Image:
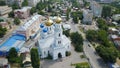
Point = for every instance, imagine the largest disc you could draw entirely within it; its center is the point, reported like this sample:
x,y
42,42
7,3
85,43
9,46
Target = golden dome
x,y
58,20
49,22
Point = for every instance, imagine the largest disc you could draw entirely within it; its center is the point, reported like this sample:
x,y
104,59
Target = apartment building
x,y
4,10
22,13
96,9
31,27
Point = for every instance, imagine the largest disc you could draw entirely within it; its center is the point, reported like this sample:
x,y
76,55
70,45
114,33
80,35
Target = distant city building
x,y
113,31
96,9
33,3
116,17
10,2
105,1
116,40
4,10
87,16
30,28
52,41
22,13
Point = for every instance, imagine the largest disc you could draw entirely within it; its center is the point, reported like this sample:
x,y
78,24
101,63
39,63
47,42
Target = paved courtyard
x,y
65,62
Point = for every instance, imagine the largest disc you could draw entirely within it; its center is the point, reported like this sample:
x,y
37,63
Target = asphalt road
x,y
94,59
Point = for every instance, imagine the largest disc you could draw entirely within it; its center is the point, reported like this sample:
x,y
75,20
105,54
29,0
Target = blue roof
x,y
10,42
45,29
19,37
41,25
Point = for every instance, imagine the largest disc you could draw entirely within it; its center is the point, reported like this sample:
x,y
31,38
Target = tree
x,y
107,11
86,4
41,13
49,8
2,3
13,56
25,3
40,6
21,59
76,16
116,7
109,54
79,48
66,32
91,35
78,66
54,13
15,6
33,10
102,24
116,11
78,41
67,13
35,58
75,3
76,38
2,31
103,39
17,21
11,14
80,15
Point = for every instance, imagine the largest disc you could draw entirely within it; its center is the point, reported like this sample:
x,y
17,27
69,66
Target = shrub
x,y
68,53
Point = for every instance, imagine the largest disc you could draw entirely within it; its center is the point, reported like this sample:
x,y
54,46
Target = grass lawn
x,y
82,65
15,65
80,28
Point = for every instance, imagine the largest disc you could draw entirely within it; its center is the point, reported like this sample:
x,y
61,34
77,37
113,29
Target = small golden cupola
x,y
49,22
58,20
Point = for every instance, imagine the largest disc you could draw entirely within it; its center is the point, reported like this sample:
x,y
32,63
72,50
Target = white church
x,y
52,41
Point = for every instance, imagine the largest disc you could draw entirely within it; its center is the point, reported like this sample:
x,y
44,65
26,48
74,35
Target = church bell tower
x,y
58,32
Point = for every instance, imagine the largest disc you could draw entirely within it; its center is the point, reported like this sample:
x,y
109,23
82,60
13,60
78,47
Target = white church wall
x,y
56,52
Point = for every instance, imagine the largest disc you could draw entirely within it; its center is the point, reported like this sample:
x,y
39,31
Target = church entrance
x,y
59,55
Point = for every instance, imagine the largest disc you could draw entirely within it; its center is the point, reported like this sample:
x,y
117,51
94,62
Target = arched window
x,y
59,42
44,53
59,34
48,52
68,46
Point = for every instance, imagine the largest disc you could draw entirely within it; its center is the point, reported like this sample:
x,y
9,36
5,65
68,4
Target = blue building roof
x,y
14,41
41,25
45,29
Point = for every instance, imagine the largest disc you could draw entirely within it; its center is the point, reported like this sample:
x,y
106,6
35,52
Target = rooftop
x,y
14,41
28,23
114,36
113,29
3,8
23,9
3,61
